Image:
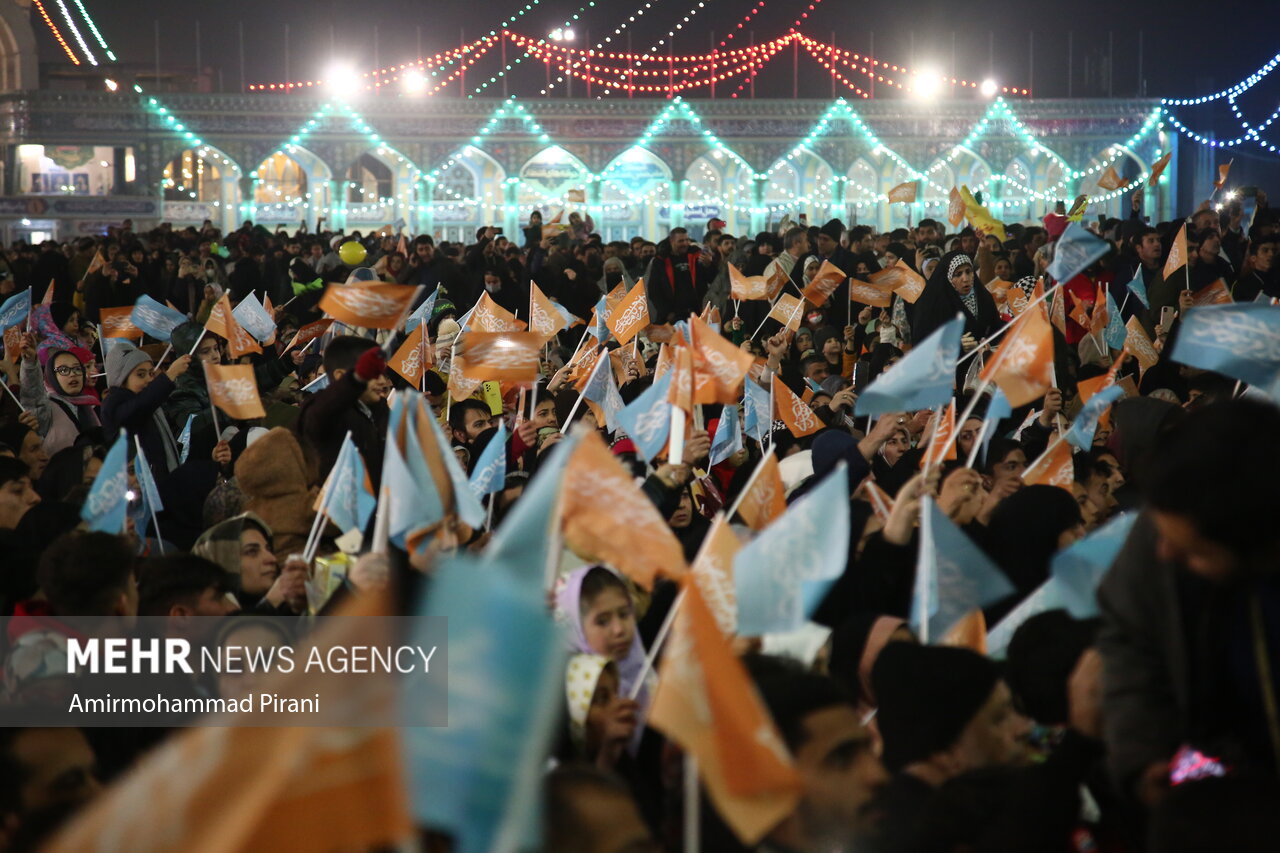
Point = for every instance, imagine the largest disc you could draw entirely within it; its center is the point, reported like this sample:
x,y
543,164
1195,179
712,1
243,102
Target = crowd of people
x,y
1152,726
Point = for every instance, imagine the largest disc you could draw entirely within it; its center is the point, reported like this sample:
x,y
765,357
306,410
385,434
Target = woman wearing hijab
x,y
856,644
1026,530
599,609
952,290
64,404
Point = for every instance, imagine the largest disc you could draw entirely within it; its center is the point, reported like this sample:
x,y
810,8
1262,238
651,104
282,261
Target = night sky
x,y
1188,49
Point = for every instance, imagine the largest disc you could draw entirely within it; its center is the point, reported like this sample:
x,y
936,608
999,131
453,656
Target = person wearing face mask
x,y
615,273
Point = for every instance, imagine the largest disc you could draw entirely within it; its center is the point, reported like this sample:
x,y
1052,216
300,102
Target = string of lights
x,y
678,110
1231,91
57,34
93,28
75,32
746,19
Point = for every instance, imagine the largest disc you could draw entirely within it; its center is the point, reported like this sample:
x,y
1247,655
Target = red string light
x,y
755,10
614,70
57,33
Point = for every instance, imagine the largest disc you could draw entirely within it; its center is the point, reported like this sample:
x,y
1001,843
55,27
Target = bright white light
x,y
1229,195
927,85
557,34
988,88
342,80
112,85
413,81
568,34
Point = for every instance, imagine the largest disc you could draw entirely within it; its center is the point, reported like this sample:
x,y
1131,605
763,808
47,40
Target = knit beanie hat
x,y
927,695
122,358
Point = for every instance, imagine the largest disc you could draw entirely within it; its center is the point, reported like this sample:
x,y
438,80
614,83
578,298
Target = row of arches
x,y
637,192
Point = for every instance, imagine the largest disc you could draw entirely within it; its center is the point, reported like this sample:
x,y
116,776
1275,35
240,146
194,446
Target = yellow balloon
x,y
352,253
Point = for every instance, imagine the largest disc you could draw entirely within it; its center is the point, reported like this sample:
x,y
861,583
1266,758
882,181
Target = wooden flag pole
x,y
692,812
659,639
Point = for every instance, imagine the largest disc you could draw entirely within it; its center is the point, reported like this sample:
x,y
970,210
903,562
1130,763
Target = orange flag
x,y
764,498
607,518
1023,366
1101,315
718,366
13,343
1111,180
1177,253
115,323
942,444
664,361
869,294
271,786
489,316
1157,168
1053,468
1137,342
96,264
48,294
788,310
1018,301
375,306
712,572
999,290
630,316
461,386
680,391
233,388
706,703
749,287
824,282
1079,314
1223,170
222,322
969,633
544,319
1212,294
499,356
955,207
309,333
1058,311
905,193
410,360
798,417
901,279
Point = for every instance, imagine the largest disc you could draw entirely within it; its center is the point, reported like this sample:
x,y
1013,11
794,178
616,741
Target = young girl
x,y
134,397
598,608
602,721
60,396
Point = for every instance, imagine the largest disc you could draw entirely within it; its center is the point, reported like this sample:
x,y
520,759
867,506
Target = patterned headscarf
x,y
580,679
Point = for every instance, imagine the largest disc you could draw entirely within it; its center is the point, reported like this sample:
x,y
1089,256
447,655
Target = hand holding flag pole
x,y
1000,331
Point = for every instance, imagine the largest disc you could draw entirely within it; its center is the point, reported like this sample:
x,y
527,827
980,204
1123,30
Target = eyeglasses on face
x,y
65,370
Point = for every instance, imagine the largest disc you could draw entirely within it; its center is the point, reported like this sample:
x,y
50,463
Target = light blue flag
x,y
253,317
781,576
757,422
570,318
155,318
1077,248
953,576
813,386
470,510
399,225
647,419
422,314
1085,424
478,778
1080,567
524,536
1138,287
998,409
1115,332
15,309
347,503
1240,340
184,439
601,329
728,438
603,391
1248,210
924,378
415,503
1050,595
315,386
107,506
149,503
490,472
